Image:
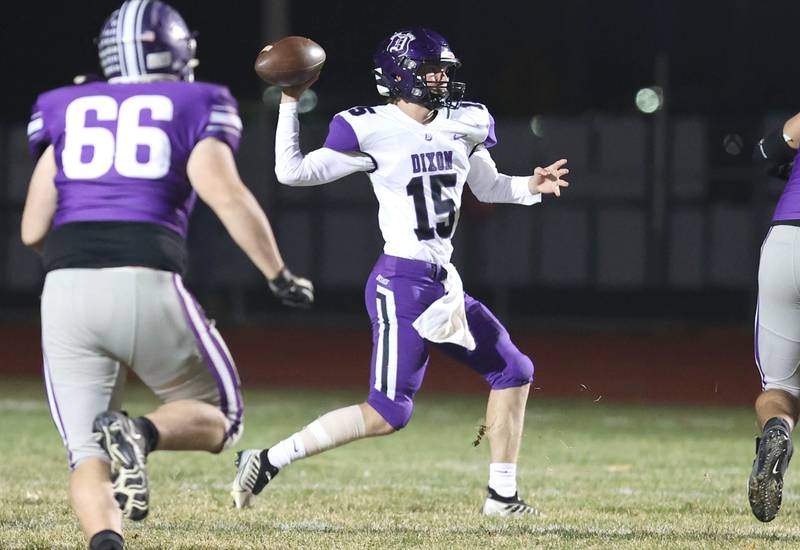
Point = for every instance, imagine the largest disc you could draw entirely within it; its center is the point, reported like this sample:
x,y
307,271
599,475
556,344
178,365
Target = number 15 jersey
x,y
418,171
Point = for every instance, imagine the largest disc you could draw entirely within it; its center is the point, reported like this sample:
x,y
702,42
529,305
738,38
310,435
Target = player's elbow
x,y
289,177
30,241
33,237
481,193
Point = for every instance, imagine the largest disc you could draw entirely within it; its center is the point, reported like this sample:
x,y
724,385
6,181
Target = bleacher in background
x,y
597,251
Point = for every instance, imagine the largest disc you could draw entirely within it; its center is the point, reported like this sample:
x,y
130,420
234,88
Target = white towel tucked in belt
x,y
445,320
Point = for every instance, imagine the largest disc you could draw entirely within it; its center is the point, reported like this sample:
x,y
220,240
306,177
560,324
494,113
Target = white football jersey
x,y
420,171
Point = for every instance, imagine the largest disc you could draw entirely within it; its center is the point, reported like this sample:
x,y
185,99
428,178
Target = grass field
x,y
606,475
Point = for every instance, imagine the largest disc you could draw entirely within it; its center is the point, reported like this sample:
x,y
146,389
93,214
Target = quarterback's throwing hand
x,y
548,180
292,290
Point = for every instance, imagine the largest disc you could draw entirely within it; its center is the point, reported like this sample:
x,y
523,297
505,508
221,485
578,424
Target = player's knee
x,y
395,417
518,371
233,432
394,414
401,418
79,455
779,391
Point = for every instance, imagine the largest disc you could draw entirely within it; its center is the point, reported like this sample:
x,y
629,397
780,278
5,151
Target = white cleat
x,y
253,473
498,506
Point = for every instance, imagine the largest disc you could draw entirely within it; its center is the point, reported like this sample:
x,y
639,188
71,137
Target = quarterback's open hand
x,y
292,290
548,180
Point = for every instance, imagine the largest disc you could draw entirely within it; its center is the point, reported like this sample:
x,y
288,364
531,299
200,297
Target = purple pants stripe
x,y
756,353
216,357
55,413
222,349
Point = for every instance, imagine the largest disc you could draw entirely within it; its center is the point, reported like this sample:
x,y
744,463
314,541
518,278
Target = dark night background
x,y
521,58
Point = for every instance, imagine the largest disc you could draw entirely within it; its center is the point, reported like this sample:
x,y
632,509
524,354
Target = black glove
x,y
291,290
782,171
774,155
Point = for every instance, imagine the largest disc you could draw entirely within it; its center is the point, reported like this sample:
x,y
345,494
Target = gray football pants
x,y
96,323
777,323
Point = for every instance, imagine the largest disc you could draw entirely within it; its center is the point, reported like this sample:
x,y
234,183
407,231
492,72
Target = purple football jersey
x,y
122,149
788,207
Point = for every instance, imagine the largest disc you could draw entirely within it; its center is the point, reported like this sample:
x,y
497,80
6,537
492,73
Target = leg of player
x,y
256,468
777,404
777,356
505,418
399,359
509,372
777,412
92,498
188,425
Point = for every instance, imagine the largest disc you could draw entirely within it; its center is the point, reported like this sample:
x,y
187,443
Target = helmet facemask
x,y
438,93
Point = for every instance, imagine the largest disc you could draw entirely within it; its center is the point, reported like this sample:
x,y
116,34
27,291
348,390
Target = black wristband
x,y
773,150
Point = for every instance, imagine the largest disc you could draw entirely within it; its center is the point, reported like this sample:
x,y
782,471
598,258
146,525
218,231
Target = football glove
x,y
291,290
774,155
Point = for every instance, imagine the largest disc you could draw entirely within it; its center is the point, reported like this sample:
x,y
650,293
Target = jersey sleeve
x,y
491,137
222,118
341,136
38,134
320,166
490,186
481,121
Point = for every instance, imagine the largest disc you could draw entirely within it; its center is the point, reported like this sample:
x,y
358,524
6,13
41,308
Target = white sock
x,y
287,451
503,478
328,431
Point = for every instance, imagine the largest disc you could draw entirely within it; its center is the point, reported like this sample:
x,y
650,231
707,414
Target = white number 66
x,y
119,152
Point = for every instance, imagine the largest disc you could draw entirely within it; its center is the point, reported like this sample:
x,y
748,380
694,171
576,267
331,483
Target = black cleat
x,y
253,472
765,487
120,438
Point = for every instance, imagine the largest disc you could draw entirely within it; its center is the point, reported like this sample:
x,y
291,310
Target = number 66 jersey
x,y
418,171
121,152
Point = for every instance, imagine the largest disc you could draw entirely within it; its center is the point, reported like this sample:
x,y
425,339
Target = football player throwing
x,y
419,149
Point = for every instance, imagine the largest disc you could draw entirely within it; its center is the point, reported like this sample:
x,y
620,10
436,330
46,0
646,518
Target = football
x,y
290,61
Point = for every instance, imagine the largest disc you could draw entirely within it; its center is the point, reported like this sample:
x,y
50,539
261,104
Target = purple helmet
x,y
398,64
144,40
